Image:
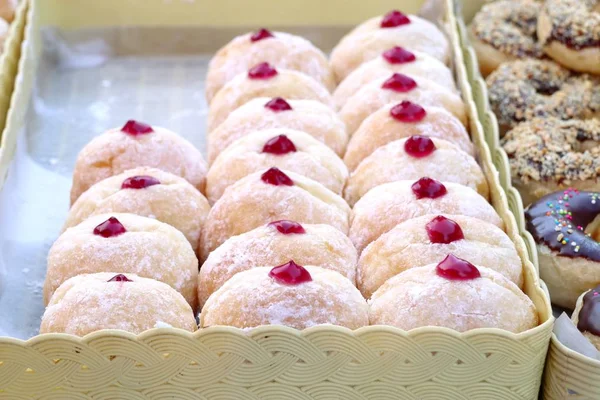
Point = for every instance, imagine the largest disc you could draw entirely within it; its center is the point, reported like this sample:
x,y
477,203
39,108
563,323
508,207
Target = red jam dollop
x,y
262,71
407,111
279,145
288,227
419,146
275,176
393,19
428,188
443,230
400,83
110,228
398,55
278,104
134,128
457,269
139,182
290,273
119,278
260,35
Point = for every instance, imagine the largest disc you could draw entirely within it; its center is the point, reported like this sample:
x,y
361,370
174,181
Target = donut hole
x,y
545,87
593,228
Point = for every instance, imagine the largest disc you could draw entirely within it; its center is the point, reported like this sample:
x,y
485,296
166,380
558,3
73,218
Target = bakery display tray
x,y
85,70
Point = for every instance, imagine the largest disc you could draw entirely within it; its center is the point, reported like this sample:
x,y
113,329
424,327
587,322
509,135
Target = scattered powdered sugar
x,y
161,324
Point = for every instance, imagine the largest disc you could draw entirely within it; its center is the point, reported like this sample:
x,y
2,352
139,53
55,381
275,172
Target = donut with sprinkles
x,y
564,227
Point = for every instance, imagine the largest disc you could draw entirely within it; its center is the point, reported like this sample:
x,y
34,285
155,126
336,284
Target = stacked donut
x,y
353,204
547,101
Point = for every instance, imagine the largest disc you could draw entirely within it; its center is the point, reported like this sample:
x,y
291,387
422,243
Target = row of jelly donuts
x,y
280,245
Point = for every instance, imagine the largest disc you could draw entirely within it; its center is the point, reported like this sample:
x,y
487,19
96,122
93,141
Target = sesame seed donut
x,y
274,244
124,243
136,145
369,39
401,120
505,30
548,154
524,89
270,195
412,158
395,59
454,294
428,239
283,148
310,116
387,205
586,313
289,294
565,231
148,192
280,49
263,80
570,33
91,302
394,89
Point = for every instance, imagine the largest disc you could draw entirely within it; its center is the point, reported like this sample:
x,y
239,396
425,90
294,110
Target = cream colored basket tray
x,y
568,374
271,362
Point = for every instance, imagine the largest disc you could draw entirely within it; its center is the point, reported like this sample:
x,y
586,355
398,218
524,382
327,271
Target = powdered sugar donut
x,y
395,59
124,243
387,205
265,196
136,145
372,37
429,239
402,120
454,294
89,303
289,294
274,244
309,116
394,89
412,158
263,80
280,49
148,192
283,148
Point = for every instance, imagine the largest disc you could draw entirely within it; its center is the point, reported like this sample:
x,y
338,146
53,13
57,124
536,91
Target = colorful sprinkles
x,y
563,215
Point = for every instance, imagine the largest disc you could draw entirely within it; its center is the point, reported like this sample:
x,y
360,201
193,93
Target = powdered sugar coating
x,y
88,303
322,245
114,152
425,66
368,40
148,248
391,163
387,205
419,297
250,203
244,156
241,89
372,97
174,201
408,246
310,116
252,298
380,128
283,50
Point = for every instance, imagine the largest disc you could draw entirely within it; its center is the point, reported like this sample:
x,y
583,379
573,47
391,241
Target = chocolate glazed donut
x,y
569,256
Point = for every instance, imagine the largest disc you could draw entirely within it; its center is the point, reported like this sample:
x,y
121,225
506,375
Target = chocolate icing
x,y
559,219
589,316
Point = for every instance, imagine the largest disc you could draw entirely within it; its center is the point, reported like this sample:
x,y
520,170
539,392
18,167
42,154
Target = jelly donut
x,y
397,59
270,195
148,192
587,315
570,33
124,243
309,116
283,148
394,89
263,80
547,154
569,257
504,31
90,302
428,239
136,145
412,158
374,36
524,89
280,49
453,294
288,294
402,120
387,205
274,244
